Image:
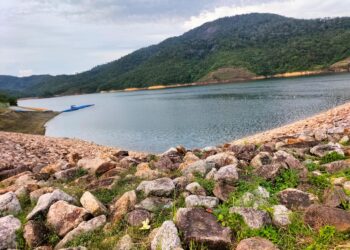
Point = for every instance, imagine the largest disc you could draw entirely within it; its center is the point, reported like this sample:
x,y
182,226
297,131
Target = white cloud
x,y
291,8
25,72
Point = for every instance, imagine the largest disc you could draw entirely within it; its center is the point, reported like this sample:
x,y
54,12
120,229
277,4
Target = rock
x,y
202,227
268,172
321,134
8,227
66,175
336,166
335,197
159,187
280,216
201,201
106,183
254,218
346,185
256,243
5,174
195,188
211,174
44,248
46,200
189,158
166,237
63,217
9,204
114,172
223,190
290,162
262,158
21,192
56,167
167,163
128,162
318,216
336,130
296,199
200,167
227,174
125,243
123,205
92,204
180,182
96,166
35,233
143,171
324,149
82,228
222,159
136,217
155,204
34,196
338,181
344,140
244,152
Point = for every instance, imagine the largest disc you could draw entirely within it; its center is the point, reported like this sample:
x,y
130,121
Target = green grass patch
x,y
208,185
330,157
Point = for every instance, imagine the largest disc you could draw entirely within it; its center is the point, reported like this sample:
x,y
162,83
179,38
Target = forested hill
x,y
241,46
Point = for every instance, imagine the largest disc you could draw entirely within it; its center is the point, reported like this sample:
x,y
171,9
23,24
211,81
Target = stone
x,y
96,166
82,228
46,200
55,167
318,216
256,243
35,233
21,192
9,204
104,183
125,243
346,185
223,190
201,201
335,197
280,216
66,175
211,174
34,195
166,163
195,188
269,171
227,174
123,205
324,149
254,218
344,140
290,162
181,182
136,217
166,237
143,171
336,166
159,187
8,227
321,134
244,152
202,227
189,158
295,199
222,159
114,172
200,167
63,217
92,204
262,158
339,181
155,204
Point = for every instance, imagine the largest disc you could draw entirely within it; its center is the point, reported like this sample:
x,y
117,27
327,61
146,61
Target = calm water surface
x,y
194,116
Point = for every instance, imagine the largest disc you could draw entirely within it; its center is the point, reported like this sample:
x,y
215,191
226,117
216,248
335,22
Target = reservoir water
x,y
200,116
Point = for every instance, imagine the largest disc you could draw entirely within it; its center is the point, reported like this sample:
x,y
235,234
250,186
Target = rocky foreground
x,y
286,192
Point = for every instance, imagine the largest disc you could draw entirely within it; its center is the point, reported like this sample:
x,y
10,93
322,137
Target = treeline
x,y
4,98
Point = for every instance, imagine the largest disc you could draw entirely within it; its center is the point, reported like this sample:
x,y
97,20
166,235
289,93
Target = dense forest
x,y
260,44
6,99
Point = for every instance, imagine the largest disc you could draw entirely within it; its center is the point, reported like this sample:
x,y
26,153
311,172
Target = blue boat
x,y
74,107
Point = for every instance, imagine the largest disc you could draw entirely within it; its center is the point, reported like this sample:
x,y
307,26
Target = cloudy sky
x,y
69,36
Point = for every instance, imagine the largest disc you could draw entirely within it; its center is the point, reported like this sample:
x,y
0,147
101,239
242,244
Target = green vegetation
x,y
229,48
7,99
330,157
208,185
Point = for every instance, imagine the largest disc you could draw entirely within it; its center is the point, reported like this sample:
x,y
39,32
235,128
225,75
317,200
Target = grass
x,y
208,185
330,157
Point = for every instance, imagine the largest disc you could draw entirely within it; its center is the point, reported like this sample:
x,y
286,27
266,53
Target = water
x,y
153,121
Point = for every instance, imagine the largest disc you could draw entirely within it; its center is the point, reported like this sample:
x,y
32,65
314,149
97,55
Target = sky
x,y
71,36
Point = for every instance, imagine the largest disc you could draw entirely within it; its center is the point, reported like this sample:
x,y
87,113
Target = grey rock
x,y
125,243
334,197
96,166
195,188
166,237
254,218
269,171
336,166
222,159
9,204
263,158
136,217
201,167
201,201
8,227
92,204
223,190
227,174
46,200
256,243
155,204
324,149
295,199
66,175
158,187
280,216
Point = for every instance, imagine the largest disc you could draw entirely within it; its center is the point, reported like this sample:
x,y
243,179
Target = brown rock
x,y
223,190
143,171
337,166
295,199
123,205
256,243
335,197
263,158
35,233
96,166
222,159
268,172
107,183
136,217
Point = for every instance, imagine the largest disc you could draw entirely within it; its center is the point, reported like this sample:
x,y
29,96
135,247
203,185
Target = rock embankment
x,y
291,191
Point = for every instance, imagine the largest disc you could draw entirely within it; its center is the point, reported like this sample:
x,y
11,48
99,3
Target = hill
x,y
231,48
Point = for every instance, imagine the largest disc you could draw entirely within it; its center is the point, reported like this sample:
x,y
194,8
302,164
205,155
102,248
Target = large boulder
x,y
324,149
83,227
46,200
8,227
166,237
318,216
92,204
263,158
254,218
9,204
96,166
227,174
202,227
296,199
159,187
63,217
200,167
222,159
35,233
137,216
256,243
201,201
155,204
123,205
269,171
